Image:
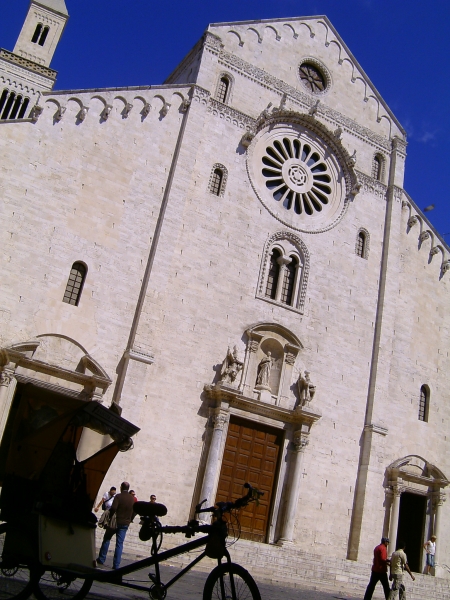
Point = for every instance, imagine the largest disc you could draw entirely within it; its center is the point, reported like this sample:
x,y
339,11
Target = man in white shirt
x,y
399,563
430,547
107,500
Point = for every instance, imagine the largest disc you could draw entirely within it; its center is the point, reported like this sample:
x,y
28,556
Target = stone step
x,y
294,567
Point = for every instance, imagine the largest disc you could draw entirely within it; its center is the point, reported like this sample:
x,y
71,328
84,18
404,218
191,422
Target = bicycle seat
x,y
149,509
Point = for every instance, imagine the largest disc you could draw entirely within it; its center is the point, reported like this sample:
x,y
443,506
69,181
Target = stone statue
x,y
306,389
230,367
264,368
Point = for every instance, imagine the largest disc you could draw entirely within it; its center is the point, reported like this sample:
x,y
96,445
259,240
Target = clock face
x,y
297,177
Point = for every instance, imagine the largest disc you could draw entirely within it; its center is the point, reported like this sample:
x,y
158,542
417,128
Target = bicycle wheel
x,y
16,579
61,584
219,585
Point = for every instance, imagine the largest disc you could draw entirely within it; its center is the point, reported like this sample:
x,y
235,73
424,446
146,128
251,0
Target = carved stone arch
x,y
277,35
295,242
366,243
223,180
256,32
413,474
235,33
58,363
294,33
311,30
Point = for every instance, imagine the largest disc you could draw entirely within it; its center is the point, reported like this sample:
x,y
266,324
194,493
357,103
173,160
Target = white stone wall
x,y
92,189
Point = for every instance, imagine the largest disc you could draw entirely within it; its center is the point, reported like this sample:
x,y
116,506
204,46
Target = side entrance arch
x,y
414,498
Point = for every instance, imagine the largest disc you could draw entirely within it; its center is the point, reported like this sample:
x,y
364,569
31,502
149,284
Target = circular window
x,y
297,177
314,76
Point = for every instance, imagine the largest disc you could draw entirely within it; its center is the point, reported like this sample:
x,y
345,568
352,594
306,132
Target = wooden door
x,y
251,455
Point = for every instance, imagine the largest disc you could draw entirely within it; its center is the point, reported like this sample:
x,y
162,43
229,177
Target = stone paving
x,y
190,587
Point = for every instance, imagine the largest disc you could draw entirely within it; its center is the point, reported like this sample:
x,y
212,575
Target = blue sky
x,y
403,46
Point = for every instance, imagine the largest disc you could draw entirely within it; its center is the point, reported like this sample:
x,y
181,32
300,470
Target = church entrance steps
x,y
290,566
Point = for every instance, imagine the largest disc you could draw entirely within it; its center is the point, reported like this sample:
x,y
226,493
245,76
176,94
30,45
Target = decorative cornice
x,y
372,186
213,42
140,356
200,95
374,428
235,399
231,115
269,81
27,64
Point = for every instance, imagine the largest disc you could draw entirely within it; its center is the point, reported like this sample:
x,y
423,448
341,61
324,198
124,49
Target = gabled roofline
x,y
333,29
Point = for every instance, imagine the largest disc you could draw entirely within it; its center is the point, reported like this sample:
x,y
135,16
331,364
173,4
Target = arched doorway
x,y
414,497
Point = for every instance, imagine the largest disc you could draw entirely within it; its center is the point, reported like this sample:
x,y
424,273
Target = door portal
x,y
411,524
251,455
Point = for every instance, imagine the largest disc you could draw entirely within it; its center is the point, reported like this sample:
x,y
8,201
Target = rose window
x,y
312,78
296,175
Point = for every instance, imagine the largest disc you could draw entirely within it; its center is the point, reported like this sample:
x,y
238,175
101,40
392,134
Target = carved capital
x,y
253,346
425,235
127,109
82,114
412,221
300,441
6,377
219,421
289,358
247,138
434,251
185,105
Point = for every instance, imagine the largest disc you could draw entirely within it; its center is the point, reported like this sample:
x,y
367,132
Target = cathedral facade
x,y
230,258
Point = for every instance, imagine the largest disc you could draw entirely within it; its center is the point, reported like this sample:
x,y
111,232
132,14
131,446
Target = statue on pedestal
x,y
306,389
264,368
230,367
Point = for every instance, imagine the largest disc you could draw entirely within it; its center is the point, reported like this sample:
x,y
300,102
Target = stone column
x,y
7,388
300,442
212,464
282,261
387,512
437,529
393,526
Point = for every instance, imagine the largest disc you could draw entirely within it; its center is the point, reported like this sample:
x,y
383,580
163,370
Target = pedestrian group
x,y
118,513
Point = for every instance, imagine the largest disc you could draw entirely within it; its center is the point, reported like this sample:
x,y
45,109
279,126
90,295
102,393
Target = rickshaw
x,y
53,460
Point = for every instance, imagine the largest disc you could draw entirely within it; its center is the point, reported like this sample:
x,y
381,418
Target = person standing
x,y
107,500
399,563
430,547
379,570
122,507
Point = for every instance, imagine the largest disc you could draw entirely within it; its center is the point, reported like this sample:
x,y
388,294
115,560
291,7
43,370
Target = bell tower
x,y
25,72
42,30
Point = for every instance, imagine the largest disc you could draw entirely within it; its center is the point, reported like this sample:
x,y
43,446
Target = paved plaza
x,y
190,587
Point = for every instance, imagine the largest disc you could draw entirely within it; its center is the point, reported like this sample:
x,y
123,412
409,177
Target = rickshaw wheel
x,y
17,579
61,584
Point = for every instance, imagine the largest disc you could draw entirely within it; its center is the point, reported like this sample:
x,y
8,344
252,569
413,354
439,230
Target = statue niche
x,y
269,366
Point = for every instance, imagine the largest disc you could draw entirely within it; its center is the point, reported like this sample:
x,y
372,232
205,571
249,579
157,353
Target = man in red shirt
x,y
379,570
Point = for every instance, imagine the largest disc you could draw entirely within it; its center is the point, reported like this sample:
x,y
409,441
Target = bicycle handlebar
x,y
252,495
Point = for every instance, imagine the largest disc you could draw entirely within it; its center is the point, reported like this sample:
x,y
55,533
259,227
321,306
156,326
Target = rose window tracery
x,y
312,78
297,175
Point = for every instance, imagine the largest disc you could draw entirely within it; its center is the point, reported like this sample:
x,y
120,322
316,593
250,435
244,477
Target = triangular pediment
x,y
276,48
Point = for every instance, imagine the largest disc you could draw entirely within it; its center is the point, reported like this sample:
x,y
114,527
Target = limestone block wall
x,y
84,188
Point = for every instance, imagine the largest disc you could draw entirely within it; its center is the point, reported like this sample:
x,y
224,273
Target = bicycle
x,y
227,581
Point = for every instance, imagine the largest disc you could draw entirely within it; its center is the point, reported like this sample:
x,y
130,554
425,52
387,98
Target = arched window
x,y
378,167
223,89
424,403
218,180
273,274
289,274
44,35
37,33
12,106
362,243
75,284
284,271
